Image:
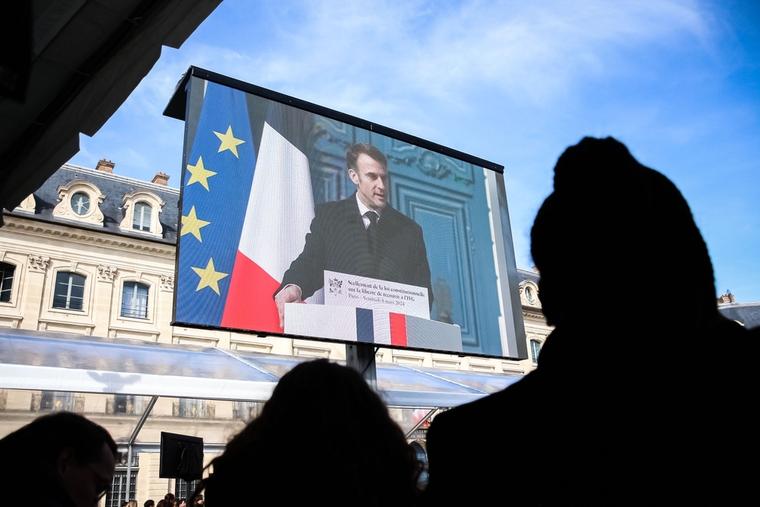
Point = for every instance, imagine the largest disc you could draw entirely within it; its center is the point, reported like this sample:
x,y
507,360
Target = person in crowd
x,y
641,392
62,459
323,438
149,503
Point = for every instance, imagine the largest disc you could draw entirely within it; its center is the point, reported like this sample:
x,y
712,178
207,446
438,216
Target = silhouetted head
x,y
323,437
72,456
617,239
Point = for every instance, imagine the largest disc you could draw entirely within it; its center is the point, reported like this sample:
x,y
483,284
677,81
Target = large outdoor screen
x,y
302,221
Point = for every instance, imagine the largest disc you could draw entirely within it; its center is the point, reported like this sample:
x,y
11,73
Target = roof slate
x,y
114,187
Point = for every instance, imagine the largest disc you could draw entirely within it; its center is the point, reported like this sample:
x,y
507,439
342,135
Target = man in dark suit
x,y
360,235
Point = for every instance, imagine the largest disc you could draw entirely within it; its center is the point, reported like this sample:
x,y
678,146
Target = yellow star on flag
x,y
191,224
199,174
229,141
209,277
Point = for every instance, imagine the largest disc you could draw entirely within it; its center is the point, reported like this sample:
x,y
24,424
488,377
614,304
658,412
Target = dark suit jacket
x,y
338,241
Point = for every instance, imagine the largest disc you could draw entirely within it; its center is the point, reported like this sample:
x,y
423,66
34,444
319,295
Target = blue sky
x,y
513,82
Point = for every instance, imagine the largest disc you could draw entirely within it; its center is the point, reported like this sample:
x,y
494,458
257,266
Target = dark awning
x,y
79,61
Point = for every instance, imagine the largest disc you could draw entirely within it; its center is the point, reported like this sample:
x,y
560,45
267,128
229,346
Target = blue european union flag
x,y
216,185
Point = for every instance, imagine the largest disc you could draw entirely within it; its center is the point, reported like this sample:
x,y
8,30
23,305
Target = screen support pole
x,y
132,439
361,357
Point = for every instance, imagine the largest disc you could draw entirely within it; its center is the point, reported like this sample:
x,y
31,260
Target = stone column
x,y
33,291
102,300
164,306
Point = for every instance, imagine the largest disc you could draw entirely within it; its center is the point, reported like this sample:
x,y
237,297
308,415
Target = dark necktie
x,y
372,230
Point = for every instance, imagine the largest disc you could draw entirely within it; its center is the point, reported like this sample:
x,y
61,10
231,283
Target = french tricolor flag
x,y
247,205
277,218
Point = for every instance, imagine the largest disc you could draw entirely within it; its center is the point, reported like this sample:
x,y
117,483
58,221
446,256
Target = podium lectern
x,y
364,325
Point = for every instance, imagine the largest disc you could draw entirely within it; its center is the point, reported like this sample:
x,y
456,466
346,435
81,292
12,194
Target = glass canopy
x,y
35,360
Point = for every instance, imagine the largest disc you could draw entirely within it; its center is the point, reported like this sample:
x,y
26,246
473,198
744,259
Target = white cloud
x,y
529,50
393,62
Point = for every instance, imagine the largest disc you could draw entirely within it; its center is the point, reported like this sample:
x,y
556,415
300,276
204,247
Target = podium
x,y
364,325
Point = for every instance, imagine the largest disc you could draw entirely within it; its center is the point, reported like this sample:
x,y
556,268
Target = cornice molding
x,y
532,315
96,238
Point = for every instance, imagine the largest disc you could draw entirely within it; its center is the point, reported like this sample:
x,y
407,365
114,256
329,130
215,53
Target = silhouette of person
x,y
323,438
626,405
61,459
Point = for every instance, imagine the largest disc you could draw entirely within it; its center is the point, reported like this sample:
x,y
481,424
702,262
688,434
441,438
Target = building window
x,y
141,217
6,281
535,349
141,213
530,296
53,400
69,291
246,410
117,495
80,200
124,404
184,489
134,300
192,408
80,203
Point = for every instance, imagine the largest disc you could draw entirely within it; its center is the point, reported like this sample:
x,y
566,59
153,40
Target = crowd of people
x,y
169,500
625,405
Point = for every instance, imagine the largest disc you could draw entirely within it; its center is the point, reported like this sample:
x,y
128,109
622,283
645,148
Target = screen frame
x,y
185,95
177,109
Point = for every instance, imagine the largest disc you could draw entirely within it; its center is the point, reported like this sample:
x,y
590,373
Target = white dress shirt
x,y
363,209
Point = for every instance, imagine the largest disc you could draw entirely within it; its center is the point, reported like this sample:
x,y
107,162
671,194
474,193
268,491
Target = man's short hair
x,y
353,152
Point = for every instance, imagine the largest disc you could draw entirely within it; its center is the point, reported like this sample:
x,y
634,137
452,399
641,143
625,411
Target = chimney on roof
x,y
726,298
105,166
160,179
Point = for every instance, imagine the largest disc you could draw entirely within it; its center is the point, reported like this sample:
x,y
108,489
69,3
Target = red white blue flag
x,y
246,208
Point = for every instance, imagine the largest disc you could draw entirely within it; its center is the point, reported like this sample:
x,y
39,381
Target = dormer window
x,y
80,200
141,213
141,217
529,293
80,203
530,297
